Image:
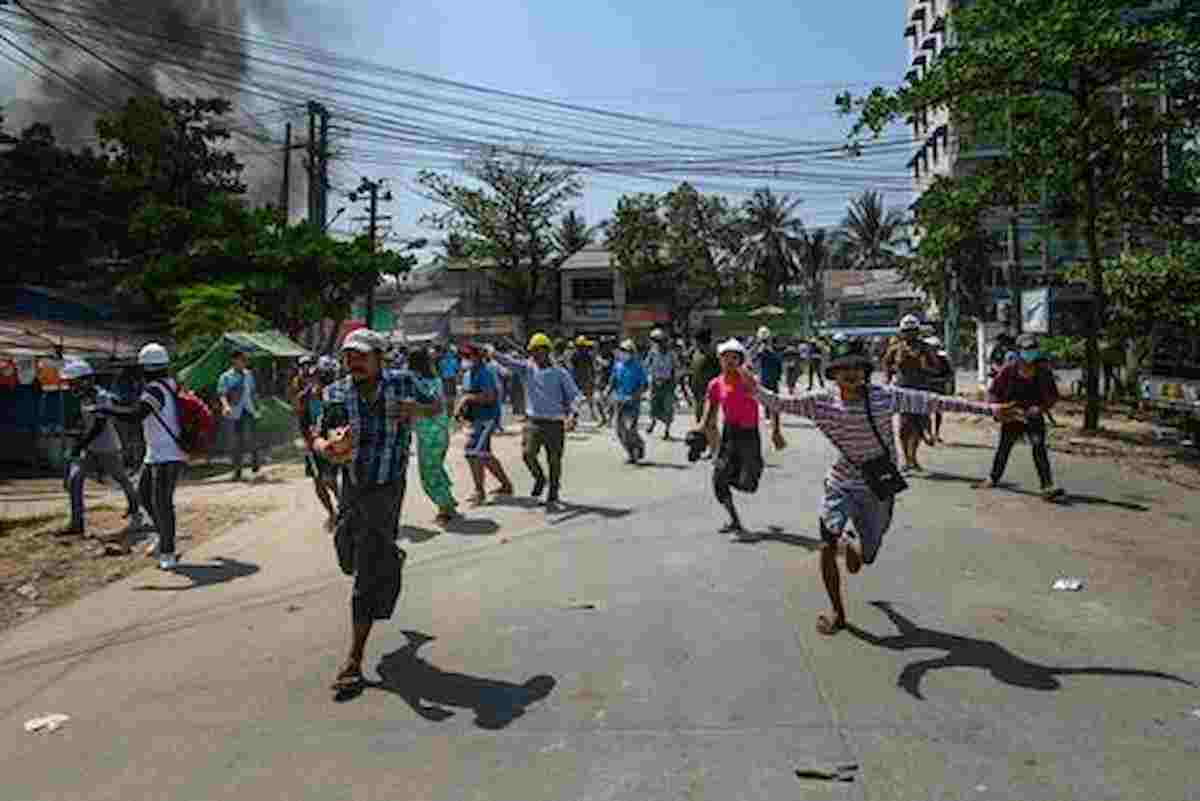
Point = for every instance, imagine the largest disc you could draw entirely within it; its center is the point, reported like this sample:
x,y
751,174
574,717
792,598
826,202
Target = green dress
x,y
433,440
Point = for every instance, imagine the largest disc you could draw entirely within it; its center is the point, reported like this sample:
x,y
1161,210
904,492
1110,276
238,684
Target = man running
x,y
365,427
307,407
857,418
908,362
550,413
239,403
98,449
480,404
661,366
1028,383
705,367
739,462
626,385
583,371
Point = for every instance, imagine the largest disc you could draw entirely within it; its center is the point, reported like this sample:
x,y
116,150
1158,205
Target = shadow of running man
x,y
1003,664
429,690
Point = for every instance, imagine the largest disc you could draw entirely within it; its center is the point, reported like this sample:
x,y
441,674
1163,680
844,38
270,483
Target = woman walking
x,y
433,440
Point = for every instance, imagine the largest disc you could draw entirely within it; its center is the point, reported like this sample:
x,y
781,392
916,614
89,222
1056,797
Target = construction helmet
x,y
581,341
657,333
909,322
76,369
154,356
539,340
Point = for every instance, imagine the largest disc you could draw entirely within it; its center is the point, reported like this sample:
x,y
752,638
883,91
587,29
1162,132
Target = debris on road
x,y
28,592
1068,584
47,723
582,607
294,607
835,773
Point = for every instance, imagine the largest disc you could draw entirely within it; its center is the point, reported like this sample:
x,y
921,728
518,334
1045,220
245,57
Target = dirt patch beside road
x,y
1129,441
39,571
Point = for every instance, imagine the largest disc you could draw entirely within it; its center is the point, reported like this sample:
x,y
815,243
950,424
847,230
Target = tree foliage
x,y
955,247
504,215
772,243
1043,79
681,246
1152,291
874,234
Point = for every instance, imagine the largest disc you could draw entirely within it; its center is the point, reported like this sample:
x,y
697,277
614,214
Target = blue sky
x,y
771,67
668,58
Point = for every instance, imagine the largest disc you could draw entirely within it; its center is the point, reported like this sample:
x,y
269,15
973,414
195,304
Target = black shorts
x,y
913,423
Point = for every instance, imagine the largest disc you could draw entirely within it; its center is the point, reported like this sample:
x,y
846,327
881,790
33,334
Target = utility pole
x,y
371,190
318,165
285,190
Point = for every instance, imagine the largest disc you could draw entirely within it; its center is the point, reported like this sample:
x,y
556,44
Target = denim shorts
x,y
479,441
857,505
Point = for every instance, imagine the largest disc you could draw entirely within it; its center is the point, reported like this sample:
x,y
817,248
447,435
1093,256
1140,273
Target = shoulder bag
x,y
880,472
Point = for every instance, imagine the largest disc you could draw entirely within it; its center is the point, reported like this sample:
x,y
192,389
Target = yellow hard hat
x,y
539,340
581,341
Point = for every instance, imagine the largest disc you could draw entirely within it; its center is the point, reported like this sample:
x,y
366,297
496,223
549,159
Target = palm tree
x,y
874,234
774,240
823,251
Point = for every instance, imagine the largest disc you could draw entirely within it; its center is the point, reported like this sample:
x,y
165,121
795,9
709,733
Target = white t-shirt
x,y
161,447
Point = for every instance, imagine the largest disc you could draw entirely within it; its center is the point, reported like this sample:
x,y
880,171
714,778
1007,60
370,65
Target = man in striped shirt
x,y
840,414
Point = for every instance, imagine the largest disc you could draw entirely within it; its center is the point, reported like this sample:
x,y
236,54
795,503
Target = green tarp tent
x,y
261,346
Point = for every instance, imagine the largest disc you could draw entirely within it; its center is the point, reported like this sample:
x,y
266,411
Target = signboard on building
x,y
645,315
499,325
1057,311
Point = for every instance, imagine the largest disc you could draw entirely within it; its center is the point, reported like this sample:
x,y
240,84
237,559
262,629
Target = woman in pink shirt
x,y
739,462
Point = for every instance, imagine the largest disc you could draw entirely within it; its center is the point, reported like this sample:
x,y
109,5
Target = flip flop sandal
x,y
347,681
829,626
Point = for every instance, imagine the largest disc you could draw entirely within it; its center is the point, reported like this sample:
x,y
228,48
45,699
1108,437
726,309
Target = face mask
x,y
1030,356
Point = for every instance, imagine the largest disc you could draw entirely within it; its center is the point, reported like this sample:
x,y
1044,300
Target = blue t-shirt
x,y
482,378
628,377
448,365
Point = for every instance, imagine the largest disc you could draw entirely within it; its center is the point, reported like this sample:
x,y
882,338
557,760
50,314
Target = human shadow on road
x,y
777,534
416,534
430,691
1069,499
987,655
473,526
570,511
218,571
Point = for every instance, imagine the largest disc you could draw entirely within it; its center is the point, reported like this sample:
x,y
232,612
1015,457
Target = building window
x,y
592,289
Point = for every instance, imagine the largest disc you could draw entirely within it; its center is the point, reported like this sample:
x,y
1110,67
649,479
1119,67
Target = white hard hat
x,y
364,340
764,332
657,333
933,342
839,337
628,345
154,355
731,346
909,322
77,368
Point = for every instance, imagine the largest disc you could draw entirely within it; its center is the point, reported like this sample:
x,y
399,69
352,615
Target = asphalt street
x,y
623,649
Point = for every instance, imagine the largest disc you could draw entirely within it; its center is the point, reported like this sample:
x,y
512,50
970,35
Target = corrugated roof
x,y
431,303
29,336
590,259
271,342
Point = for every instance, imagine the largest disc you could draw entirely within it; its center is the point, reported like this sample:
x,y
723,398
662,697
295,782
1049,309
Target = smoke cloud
x,y
194,31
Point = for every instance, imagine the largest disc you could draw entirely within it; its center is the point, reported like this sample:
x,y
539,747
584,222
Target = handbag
x,y
880,472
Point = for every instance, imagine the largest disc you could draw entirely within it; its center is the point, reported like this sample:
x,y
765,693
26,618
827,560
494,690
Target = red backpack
x,y
197,425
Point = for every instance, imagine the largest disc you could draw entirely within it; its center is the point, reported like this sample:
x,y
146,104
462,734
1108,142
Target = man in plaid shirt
x,y
365,427
840,414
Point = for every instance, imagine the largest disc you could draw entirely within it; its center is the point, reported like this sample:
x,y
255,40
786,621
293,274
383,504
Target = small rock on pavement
x,y
294,607
504,540
28,592
47,723
1068,584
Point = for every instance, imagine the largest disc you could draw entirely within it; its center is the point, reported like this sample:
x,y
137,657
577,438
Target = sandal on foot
x,y
829,626
477,500
347,680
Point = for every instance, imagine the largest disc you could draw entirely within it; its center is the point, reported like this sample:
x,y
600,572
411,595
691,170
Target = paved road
x,y
623,650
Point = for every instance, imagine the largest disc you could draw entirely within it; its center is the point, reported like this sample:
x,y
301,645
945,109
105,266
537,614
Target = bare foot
x,y
830,625
478,499
854,561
